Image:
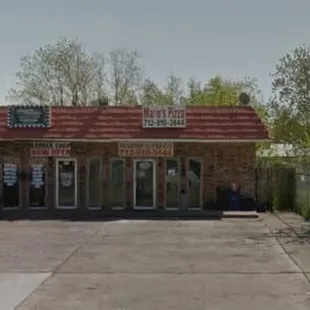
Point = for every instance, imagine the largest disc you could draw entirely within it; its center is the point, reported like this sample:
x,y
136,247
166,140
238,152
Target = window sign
x,y
50,149
37,186
37,175
163,117
10,185
28,116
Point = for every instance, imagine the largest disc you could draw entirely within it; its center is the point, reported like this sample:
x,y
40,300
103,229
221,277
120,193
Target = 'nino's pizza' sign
x,y
163,117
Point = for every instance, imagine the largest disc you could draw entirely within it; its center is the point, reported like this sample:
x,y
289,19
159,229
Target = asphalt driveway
x,y
139,264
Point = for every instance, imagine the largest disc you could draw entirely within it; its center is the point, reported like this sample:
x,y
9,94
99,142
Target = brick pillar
x,y
105,184
160,184
183,172
81,181
209,178
129,182
1,181
51,183
24,172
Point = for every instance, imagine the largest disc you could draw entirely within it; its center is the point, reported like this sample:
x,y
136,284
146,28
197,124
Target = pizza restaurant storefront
x,y
146,164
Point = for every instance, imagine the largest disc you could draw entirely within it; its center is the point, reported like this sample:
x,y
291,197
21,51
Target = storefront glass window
x,y
172,183
37,185
194,183
10,185
66,183
117,184
145,184
94,182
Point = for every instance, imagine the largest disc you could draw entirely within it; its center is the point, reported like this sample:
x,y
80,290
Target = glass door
x,y
66,189
194,185
172,184
94,183
144,184
117,184
37,184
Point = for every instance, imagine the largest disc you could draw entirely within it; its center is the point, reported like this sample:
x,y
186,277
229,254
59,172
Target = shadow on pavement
x,y
104,216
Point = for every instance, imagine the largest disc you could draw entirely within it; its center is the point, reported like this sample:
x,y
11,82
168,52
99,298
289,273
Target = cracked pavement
x,y
144,264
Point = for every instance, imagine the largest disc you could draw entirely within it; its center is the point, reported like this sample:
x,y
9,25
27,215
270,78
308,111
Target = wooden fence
x,y
276,187
302,205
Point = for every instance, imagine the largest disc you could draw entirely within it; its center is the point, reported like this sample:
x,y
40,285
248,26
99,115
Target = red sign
x,y
132,149
50,152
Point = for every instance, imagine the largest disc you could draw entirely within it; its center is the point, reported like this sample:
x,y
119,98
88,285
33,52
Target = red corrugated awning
x,y
125,122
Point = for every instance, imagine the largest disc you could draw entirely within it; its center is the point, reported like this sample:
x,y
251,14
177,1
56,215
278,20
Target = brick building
x,y
93,159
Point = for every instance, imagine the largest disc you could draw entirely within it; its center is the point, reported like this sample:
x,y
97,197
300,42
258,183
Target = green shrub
x,y
302,206
306,213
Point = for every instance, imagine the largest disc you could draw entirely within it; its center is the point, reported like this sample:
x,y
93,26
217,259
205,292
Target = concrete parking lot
x,y
142,264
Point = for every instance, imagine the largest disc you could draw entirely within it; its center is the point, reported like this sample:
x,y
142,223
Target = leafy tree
x,y
65,74
216,92
220,91
172,93
224,92
152,94
289,107
60,74
291,83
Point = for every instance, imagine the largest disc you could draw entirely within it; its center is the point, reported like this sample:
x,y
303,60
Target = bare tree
x,y
125,75
59,74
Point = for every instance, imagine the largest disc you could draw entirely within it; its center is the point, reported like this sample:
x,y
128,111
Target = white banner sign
x,y
163,117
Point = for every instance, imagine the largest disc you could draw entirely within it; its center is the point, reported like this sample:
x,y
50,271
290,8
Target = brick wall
x,y
222,164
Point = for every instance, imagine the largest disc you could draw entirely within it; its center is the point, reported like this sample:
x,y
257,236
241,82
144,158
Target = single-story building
x,y
127,157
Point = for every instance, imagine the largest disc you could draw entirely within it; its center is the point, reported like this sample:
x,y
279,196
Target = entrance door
x,y
66,183
194,185
94,184
144,184
37,184
172,184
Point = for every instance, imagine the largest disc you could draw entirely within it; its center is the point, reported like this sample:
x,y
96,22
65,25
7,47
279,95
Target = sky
x,y
197,38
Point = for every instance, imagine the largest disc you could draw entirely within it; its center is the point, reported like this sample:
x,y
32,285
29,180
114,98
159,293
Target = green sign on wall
x,y
28,116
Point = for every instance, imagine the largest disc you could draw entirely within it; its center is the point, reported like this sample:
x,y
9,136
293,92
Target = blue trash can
x,y
234,201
